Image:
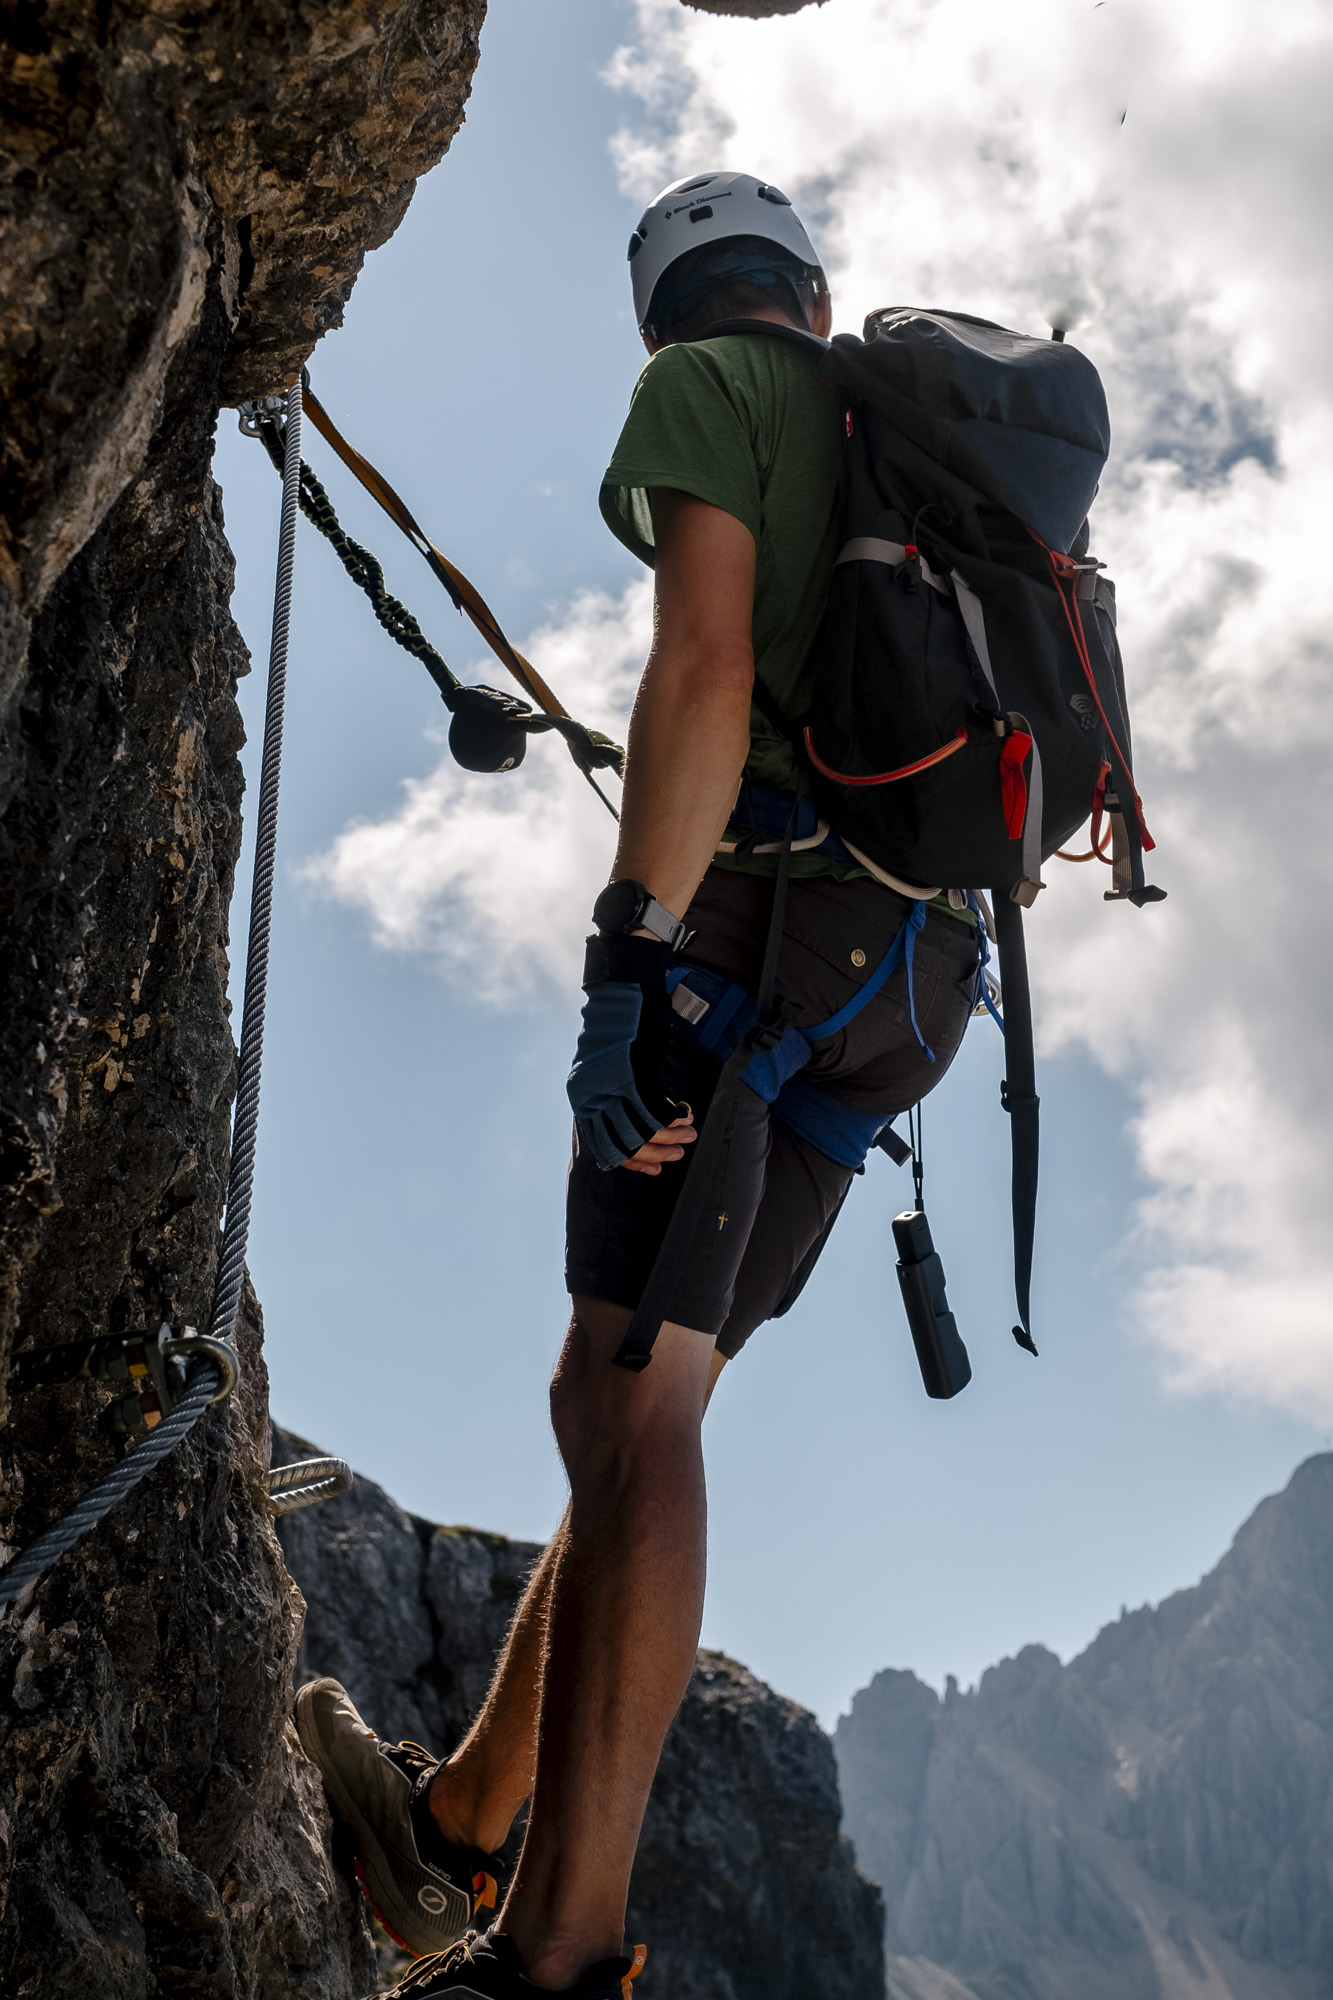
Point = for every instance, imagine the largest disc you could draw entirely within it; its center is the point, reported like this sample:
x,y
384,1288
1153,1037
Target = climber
x,y
724,480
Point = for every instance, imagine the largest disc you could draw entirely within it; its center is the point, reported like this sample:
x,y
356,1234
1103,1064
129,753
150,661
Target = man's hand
x,y
664,1146
621,1110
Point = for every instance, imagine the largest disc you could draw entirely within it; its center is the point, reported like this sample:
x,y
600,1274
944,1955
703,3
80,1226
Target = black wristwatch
x,y
627,906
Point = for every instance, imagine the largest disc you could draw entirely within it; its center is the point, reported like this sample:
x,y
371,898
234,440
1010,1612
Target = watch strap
x,y
655,917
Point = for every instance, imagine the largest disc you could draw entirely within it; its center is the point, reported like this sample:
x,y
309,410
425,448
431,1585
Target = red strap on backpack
x,y
1013,785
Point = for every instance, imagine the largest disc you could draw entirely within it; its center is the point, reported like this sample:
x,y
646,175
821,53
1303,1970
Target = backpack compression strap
x,y
1018,1094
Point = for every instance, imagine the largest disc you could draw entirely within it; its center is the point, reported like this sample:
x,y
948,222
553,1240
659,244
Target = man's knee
x,y
609,1420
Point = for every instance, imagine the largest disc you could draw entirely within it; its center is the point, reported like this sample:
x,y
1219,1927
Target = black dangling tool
x,y
940,1353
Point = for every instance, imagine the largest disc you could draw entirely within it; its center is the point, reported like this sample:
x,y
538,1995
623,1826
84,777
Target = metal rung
x,y
305,1482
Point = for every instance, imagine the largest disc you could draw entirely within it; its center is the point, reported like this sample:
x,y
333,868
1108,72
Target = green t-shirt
x,y
745,423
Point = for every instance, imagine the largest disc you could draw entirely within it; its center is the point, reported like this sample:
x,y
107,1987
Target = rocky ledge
x,y
744,1888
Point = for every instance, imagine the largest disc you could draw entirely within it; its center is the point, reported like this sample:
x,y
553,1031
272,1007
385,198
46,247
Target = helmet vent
x,y
704,181
701,214
774,195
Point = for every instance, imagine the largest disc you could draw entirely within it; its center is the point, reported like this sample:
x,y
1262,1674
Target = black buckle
x,y
1009,1098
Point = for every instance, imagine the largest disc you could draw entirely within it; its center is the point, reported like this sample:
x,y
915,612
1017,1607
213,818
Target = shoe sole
x,y
378,1914
375,1860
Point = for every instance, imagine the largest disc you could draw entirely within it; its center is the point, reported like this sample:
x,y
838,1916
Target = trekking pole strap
x,y
1018,1094
710,1149
708,1158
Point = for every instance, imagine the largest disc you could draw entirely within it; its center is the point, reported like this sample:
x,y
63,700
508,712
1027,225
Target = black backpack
x,y
969,707
968,710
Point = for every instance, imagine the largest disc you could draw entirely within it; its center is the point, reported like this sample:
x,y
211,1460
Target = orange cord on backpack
x,y
1097,852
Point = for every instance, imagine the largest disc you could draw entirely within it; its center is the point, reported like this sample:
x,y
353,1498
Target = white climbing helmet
x,y
706,208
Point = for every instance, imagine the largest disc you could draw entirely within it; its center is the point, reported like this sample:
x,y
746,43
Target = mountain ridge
x,y
1153,1819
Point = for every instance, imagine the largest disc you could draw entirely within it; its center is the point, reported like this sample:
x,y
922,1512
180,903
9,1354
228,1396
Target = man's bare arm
x,y
690,731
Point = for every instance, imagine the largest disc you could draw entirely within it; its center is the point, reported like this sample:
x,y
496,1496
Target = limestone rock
x,y
185,197
151,149
743,1888
1154,1819
161,1837
754,10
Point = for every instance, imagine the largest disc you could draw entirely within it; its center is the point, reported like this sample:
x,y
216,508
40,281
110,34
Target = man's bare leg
x,y
626,1607
479,1791
476,1794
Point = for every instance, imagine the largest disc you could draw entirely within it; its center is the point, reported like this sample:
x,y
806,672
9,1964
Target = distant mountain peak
x,y
1153,1820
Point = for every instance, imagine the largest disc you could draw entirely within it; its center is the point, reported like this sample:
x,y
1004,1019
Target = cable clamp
x,y
265,409
154,1366
159,1367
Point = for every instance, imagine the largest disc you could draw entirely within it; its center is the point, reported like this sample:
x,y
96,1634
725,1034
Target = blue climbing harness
x,y
718,1014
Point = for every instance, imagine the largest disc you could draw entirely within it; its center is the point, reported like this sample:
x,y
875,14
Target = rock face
x,y
754,10
743,1888
1154,1820
154,152
185,198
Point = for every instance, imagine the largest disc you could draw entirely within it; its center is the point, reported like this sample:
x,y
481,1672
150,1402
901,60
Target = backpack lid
x,y
1022,420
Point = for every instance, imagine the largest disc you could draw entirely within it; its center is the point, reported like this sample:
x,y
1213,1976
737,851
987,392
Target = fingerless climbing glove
x,y
615,1085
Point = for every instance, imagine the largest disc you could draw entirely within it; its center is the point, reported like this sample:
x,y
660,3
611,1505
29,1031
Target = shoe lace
x,y
417,1755
454,1959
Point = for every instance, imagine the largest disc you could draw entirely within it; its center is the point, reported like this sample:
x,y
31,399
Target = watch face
x,y
619,906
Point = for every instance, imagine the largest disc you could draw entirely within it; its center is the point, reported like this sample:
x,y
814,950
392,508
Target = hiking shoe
x,y
486,1968
424,1890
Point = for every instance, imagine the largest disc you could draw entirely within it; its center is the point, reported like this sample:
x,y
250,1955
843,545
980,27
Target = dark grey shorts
x,y
781,1196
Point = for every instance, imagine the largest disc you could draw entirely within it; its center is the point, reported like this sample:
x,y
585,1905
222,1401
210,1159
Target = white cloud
x,y
962,153
495,874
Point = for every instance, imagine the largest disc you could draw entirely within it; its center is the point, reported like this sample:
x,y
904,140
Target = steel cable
x,y
245,1120
204,1377
61,1536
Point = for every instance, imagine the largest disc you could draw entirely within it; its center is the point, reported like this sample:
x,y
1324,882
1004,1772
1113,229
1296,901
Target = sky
x,y
1154,178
